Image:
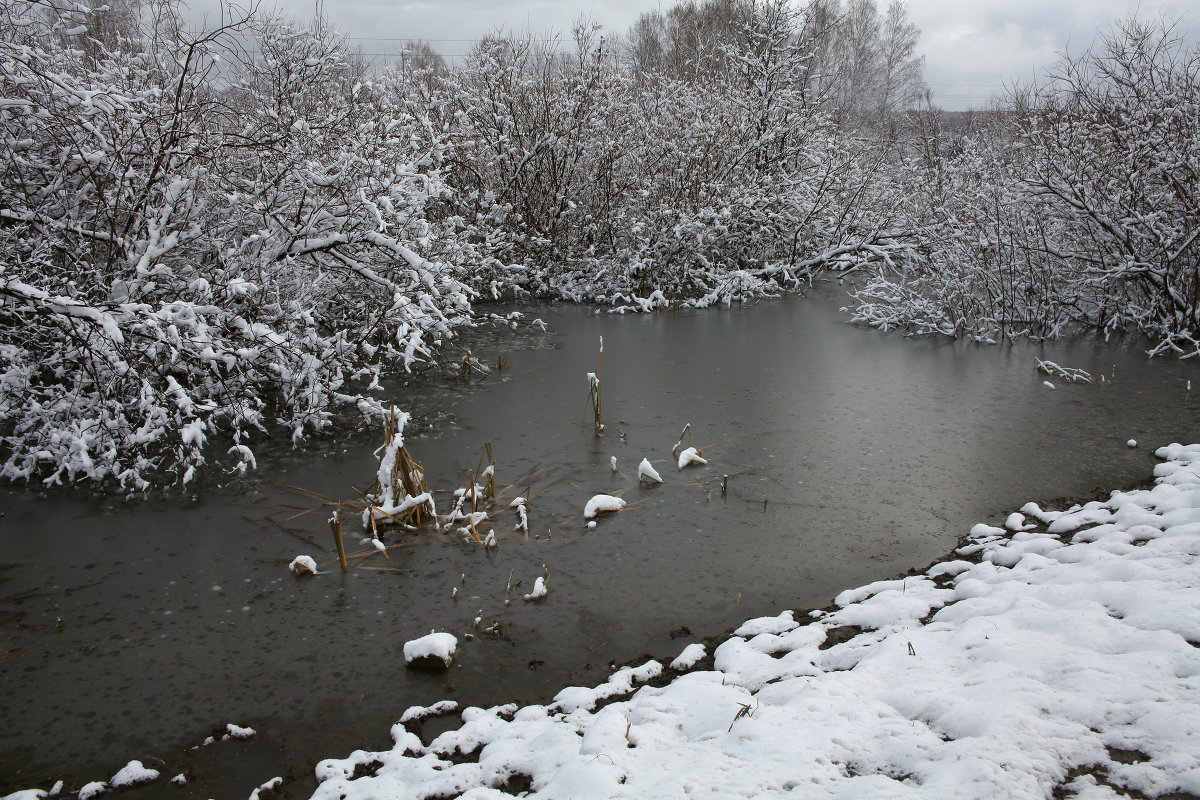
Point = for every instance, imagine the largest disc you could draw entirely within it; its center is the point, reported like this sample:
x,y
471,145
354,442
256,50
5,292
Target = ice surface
x,y
1029,668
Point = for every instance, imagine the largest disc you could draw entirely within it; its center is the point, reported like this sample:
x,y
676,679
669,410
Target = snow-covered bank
x,y
1061,657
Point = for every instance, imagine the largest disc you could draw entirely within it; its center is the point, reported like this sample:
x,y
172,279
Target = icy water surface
x,y
134,630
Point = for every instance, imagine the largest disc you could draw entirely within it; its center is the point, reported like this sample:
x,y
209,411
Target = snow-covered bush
x,y
183,262
1116,165
577,178
1075,208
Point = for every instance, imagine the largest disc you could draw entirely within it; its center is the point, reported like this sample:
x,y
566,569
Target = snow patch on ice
x,y
238,732
301,565
270,785
439,646
646,471
539,589
690,455
600,504
92,789
132,774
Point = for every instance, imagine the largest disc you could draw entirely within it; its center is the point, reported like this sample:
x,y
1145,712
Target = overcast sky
x,y
971,47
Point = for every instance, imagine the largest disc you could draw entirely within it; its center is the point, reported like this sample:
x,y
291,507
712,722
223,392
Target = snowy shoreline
x,y
1054,656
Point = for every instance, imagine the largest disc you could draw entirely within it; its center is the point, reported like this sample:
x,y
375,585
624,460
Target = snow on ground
x,y
1060,657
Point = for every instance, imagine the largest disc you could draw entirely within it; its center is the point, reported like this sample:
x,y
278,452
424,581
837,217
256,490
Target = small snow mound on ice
x,y
92,789
1131,443
270,785
238,732
600,504
303,564
435,646
179,780
132,774
689,657
647,471
691,455
1048,383
539,590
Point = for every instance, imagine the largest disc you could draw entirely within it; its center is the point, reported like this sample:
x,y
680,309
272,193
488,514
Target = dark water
x,y
851,455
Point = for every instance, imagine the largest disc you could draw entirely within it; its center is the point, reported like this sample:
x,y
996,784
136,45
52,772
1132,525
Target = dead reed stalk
x,y
335,525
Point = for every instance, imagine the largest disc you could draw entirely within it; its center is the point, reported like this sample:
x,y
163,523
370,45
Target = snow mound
x,y
434,651
269,786
689,657
92,789
435,710
1048,664
690,455
600,504
132,774
539,589
646,471
303,565
238,732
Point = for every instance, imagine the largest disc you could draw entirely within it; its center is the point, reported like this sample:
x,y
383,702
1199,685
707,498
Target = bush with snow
x,y
1070,211
185,270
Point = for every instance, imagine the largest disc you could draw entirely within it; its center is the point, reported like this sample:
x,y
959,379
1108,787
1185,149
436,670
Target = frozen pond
x,y
851,455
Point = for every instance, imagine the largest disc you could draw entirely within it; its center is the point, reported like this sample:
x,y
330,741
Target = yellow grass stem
x,y
335,525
